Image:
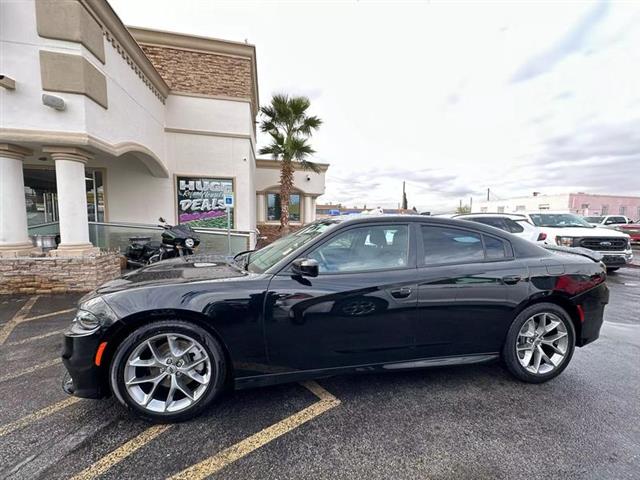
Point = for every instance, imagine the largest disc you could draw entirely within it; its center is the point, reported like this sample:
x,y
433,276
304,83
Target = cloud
x,y
573,41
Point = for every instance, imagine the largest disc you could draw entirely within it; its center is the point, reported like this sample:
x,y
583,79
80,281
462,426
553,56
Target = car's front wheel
x,y
168,371
540,343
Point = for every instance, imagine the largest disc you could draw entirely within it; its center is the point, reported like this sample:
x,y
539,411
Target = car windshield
x,y
594,219
268,256
559,220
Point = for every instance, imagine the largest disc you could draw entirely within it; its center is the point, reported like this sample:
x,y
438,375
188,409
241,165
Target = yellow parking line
x,y
120,453
8,327
45,412
34,338
229,455
45,315
40,366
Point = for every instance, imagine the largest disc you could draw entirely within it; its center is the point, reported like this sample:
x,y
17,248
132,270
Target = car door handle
x,y
402,292
511,279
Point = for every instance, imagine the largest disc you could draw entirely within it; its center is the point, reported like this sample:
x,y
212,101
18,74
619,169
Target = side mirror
x,y
305,267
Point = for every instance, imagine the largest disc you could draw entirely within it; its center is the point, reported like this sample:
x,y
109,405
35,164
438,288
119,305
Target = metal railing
x,y
115,236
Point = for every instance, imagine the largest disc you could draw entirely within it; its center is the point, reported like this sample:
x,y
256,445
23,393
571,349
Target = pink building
x,y
591,204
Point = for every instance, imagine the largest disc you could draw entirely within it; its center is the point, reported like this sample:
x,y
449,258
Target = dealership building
x,y
106,127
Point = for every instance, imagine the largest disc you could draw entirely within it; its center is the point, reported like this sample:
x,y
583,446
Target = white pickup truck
x,y
610,221
569,230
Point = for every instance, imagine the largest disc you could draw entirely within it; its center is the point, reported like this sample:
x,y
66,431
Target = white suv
x,y
513,223
569,230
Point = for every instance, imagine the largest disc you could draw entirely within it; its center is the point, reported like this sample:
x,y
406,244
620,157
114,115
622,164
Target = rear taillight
x,y
575,284
542,236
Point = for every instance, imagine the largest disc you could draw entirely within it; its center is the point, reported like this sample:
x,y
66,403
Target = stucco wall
x,y
134,114
305,181
558,202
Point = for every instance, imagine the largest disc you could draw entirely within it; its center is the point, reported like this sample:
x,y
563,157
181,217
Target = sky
x,y
454,98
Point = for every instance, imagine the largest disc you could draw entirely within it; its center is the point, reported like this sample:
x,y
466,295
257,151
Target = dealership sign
x,y
201,201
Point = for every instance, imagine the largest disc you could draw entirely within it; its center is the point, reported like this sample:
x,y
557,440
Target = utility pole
x,y
470,204
488,190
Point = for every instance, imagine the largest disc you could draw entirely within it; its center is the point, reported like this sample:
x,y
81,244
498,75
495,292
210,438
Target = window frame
x,y
509,252
277,221
411,260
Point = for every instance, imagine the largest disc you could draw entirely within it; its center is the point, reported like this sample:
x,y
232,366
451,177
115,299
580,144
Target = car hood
x,y
582,232
192,268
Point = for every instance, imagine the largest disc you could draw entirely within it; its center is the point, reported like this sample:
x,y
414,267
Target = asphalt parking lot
x,y
457,422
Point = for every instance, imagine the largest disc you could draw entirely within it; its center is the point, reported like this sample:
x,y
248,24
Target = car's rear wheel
x,y
612,269
540,343
168,371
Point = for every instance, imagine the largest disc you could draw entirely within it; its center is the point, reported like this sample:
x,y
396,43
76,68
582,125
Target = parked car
x,y
517,224
608,220
341,295
569,230
631,229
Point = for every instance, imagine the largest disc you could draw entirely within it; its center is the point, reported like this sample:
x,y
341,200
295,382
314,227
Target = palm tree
x,y
289,126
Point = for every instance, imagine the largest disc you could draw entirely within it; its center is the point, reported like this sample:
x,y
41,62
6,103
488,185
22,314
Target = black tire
x,y
612,269
509,352
205,339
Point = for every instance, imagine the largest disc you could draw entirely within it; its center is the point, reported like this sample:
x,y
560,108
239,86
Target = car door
x,y
359,310
468,287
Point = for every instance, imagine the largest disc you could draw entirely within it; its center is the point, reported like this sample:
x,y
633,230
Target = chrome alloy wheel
x,y
542,343
167,373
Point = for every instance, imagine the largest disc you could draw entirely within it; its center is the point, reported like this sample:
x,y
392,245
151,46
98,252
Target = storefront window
x,y
274,210
41,195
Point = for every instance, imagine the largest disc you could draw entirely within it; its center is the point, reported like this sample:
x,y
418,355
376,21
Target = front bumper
x,y
617,259
78,356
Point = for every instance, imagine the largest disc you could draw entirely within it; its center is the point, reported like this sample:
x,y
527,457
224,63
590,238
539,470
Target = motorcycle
x,y
177,241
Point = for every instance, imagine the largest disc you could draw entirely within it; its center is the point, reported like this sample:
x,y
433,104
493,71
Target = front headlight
x,y
87,320
91,315
564,241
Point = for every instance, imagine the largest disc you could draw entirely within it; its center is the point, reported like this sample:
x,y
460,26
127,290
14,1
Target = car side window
x,y
495,248
451,245
444,245
615,220
376,247
513,226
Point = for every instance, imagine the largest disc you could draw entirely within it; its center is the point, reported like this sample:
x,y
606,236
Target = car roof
x,y
357,219
512,216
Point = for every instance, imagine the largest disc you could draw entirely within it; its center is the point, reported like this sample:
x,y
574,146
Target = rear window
x,y
513,226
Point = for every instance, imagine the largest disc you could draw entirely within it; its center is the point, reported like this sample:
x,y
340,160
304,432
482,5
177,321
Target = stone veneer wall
x,y
203,73
57,274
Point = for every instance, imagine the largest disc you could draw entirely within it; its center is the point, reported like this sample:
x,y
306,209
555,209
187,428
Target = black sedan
x,y
344,295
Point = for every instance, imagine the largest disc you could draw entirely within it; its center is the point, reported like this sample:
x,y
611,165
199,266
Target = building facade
x,y
580,203
101,123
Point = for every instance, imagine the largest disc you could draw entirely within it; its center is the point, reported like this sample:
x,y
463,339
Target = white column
x,y
308,209
72,201
14,236
261,214
313,209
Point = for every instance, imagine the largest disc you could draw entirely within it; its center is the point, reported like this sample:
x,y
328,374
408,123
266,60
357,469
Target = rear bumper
x,y
592,304
78,355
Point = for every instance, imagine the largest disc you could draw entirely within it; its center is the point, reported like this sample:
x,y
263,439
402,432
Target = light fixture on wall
x,y
308,178
54,102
